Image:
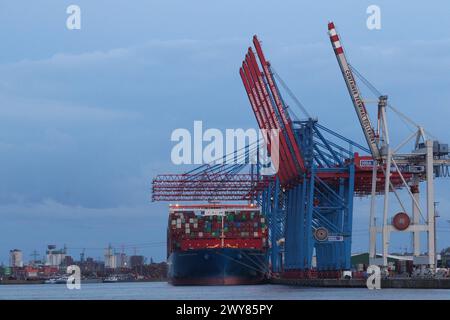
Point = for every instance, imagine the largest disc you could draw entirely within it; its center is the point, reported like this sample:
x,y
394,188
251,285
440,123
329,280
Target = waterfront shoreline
x,y
398,283
34,282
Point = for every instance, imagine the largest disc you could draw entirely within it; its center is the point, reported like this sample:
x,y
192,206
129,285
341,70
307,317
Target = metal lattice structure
x,y
208,186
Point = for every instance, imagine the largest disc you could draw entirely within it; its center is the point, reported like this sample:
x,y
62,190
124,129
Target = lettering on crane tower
x,y
361,109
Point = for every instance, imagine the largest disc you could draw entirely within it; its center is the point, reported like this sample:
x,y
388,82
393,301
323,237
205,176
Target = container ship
x,y
215,244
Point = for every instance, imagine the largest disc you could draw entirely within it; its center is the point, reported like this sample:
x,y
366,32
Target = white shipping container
x,y
195,225
200,234
191,220
255,234
262,220
178,220
174,222
188,231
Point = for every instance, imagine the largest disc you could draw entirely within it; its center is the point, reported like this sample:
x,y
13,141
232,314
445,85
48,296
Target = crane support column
x,y
430,204
386,208
372,222
416,218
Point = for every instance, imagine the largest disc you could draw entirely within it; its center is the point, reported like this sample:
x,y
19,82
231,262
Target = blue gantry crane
x,y
309,205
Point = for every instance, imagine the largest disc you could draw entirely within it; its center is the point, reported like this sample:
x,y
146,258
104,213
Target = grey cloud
x,y
27,109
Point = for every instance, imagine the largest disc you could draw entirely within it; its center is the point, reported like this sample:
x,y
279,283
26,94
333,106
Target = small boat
x,y
59,280
111,279
62,280
50,281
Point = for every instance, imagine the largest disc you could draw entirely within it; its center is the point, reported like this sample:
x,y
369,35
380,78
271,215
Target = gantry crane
x,y
426,161
310,204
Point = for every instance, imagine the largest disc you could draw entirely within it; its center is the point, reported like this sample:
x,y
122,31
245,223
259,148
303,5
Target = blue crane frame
x,y
316,201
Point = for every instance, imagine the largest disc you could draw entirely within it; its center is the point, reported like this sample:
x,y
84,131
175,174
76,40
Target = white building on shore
x,y
15,258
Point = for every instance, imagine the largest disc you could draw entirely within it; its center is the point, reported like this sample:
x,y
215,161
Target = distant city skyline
x,y
17,255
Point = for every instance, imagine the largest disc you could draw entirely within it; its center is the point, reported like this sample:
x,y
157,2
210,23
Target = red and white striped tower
x,y
355,94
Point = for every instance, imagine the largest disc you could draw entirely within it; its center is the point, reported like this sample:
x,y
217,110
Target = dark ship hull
x,y
218,266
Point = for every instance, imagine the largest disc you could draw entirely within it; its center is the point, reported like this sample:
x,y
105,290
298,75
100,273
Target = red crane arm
x,y
284,116
265,123
293,173
287,161
253,103
250,98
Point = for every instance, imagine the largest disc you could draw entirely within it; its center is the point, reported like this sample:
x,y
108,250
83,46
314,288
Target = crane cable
x,y
445,170
377,93
291,94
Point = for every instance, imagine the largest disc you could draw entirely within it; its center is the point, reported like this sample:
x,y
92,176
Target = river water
x,y
162,290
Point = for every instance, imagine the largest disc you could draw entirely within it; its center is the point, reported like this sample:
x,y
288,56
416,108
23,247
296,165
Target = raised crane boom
x,y
355,94
284,115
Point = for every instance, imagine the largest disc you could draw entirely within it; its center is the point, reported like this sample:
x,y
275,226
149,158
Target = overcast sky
x,y
86,115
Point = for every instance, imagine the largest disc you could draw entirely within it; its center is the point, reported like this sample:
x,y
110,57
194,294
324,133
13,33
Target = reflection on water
x,y
162,290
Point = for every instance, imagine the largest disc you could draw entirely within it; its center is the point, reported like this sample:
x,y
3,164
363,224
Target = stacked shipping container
x,y
201,229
